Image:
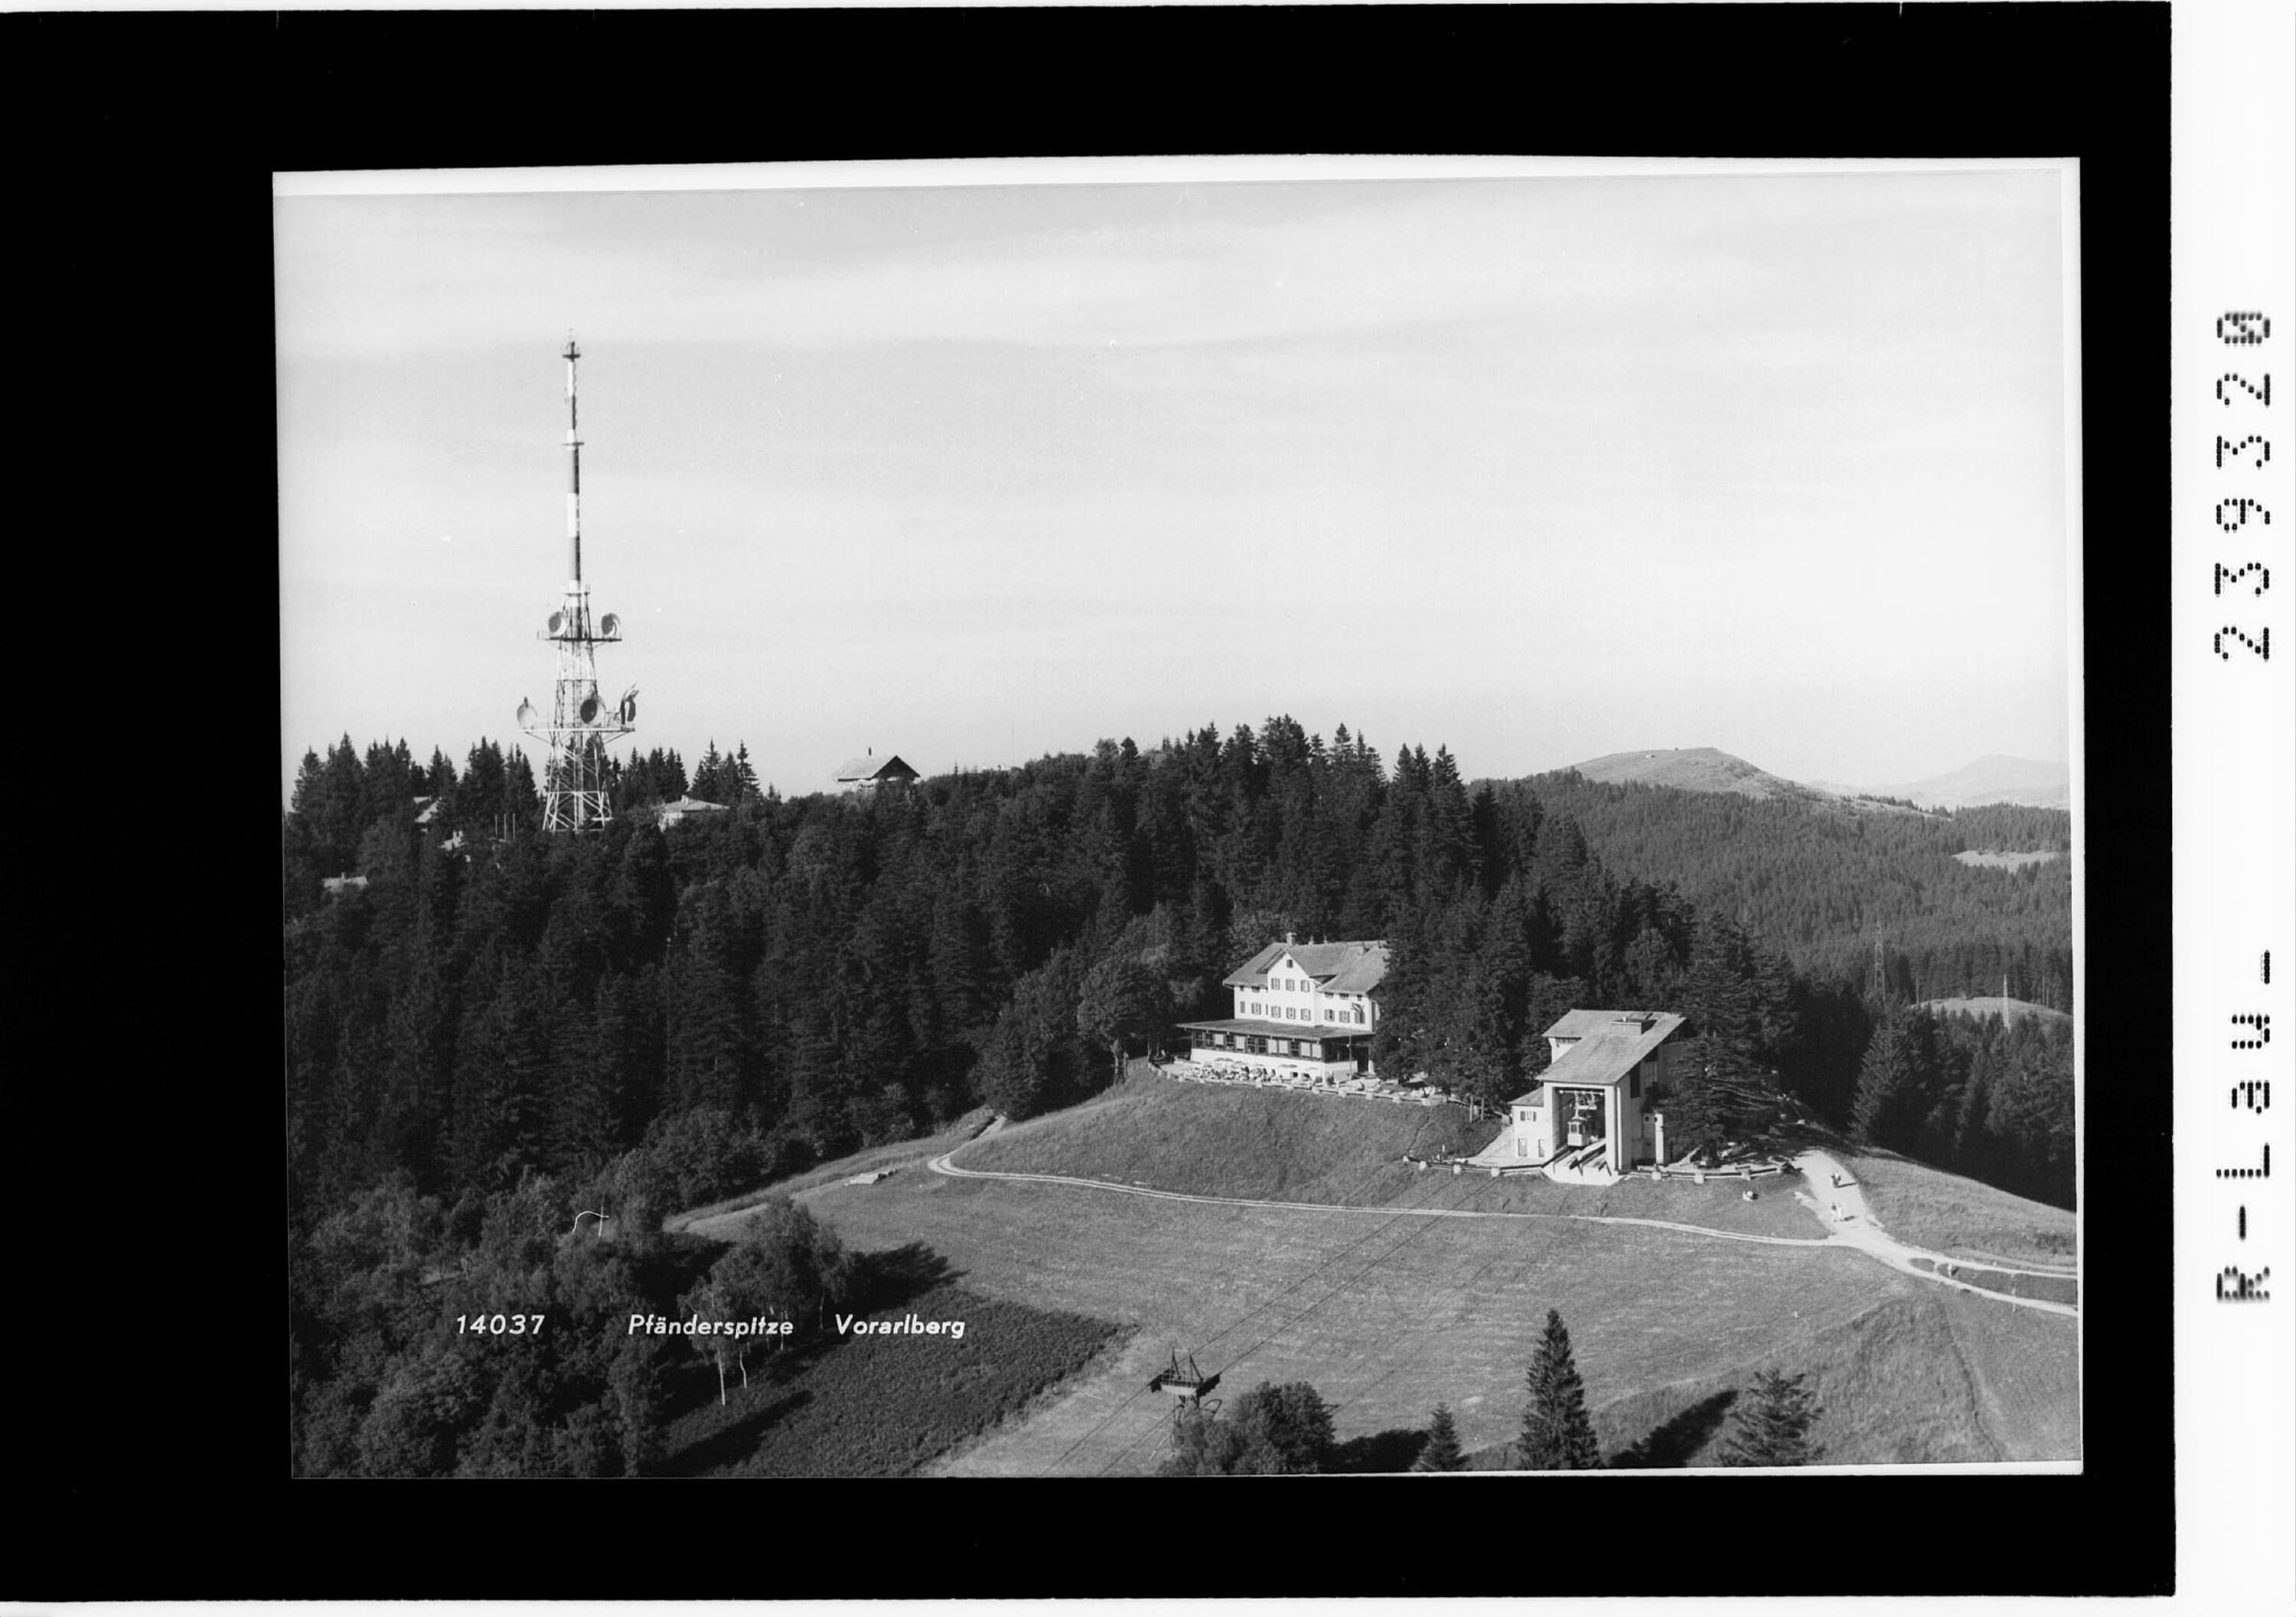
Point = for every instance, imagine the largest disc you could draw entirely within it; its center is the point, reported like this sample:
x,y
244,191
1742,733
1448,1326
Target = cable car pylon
x,y
1187,1385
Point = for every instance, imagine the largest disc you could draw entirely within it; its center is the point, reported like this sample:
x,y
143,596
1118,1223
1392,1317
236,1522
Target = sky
x,y
1538,468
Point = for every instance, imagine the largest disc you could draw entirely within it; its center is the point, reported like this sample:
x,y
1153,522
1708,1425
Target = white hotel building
x,y
1303,1008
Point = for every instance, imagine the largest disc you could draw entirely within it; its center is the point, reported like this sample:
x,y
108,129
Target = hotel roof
x,y
1338,968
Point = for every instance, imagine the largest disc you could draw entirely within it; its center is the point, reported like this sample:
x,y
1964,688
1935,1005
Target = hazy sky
x,y
1540,469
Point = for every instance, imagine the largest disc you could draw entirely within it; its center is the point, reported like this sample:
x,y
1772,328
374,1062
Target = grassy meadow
x,y
1281,1145
1384,1311
1217,1140
1387,1314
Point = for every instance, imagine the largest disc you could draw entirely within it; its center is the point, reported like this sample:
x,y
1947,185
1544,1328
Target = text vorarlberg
x,y
655,1324
847,1325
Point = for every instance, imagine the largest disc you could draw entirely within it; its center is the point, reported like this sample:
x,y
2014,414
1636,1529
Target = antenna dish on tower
x,y
590,705
557,620
525,715
611,624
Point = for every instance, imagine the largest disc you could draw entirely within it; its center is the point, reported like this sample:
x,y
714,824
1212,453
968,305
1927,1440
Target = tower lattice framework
x,y
582,723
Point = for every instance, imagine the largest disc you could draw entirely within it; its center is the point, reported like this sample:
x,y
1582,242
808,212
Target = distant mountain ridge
x,y
1693,769
1711,769
1995,779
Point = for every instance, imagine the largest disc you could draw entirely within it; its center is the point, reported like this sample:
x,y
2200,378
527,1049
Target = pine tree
x,y
711,784
1557,1435
746,789
1894,1082
1771,1423
1442,1450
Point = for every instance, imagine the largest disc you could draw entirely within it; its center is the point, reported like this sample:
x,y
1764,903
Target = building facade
x,y
1591,1107
686,808
1301,1009
868,772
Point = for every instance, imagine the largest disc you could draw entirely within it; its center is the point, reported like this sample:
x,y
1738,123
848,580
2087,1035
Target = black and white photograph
x,y
1177,818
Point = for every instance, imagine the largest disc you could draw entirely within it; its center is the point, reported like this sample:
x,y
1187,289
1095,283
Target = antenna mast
x,y
574,793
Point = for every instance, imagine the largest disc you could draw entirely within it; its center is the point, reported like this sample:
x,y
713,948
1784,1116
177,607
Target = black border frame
x,y
154,138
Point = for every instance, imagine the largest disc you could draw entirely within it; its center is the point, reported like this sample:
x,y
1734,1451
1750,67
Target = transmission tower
x,y
581,723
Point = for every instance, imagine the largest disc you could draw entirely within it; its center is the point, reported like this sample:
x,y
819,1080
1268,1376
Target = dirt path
x,y
1844,1214
727,1226
1844,1211
941,1164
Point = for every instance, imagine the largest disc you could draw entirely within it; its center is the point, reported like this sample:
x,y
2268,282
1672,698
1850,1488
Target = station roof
x,y
1610,1045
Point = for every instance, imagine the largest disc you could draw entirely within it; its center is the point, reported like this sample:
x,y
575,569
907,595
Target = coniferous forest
x,y
501,1022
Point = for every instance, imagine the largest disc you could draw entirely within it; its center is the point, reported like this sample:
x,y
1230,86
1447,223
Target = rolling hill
x,y
1996,778
1696,769
1817,876
1385,1312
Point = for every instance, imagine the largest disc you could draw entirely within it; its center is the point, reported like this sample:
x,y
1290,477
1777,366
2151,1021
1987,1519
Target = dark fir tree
x,y
1899,1082
1442,1450
746,788
1770,1424
1557,1435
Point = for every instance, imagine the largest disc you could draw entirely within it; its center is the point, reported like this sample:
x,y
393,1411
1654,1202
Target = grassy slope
x,y
1212,1140
900,1154
1927,1207
1386,1315
1993,1005
1281,1145
1996,1383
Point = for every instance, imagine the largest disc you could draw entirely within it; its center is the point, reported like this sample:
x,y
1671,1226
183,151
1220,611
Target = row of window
x,y
1253,1044
1284,1013
1296,985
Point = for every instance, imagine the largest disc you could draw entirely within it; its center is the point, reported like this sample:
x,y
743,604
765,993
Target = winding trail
x,y
941,1164
1851,1224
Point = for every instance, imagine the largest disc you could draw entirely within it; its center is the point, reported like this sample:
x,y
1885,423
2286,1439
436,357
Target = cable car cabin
x,y
1184,1381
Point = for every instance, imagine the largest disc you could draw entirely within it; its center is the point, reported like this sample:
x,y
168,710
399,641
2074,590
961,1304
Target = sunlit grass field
x,y
1280,1145
1386,1315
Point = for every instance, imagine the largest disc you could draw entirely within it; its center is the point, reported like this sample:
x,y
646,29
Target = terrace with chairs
x,y
1251,1075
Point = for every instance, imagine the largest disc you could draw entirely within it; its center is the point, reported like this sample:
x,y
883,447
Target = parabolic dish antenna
x,y
612,624
557,620
525,715
590,707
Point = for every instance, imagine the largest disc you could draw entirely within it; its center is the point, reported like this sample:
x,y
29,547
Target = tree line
x,y
802,977
387,1376
1823,883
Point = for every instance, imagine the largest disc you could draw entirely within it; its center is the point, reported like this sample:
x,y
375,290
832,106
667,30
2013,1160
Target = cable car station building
x,y
1301,1009
1588,1108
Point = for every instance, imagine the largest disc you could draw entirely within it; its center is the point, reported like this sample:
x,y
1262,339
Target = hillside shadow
x,y
1671,1443
735,1441
899,1275
1393,1450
